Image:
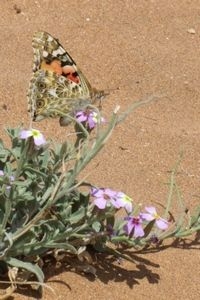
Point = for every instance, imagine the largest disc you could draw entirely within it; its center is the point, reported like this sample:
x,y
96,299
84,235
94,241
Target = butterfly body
x,y
57,87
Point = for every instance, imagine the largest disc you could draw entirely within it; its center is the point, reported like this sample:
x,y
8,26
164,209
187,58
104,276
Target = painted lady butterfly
x,y
58,86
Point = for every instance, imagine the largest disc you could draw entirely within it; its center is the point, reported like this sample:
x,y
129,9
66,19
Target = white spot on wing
x,y
58,51
53,93
45,53
50,38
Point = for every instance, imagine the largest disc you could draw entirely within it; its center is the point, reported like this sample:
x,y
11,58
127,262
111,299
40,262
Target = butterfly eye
x,y
40,103
41,85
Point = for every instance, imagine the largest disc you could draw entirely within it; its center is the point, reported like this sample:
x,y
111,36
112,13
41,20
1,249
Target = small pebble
x,y
17,9
191,30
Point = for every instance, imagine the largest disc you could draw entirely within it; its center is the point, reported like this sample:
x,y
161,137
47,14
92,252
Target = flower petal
x,y
95,192
81,116
128,207
24,134
151,210
138,231
100,203
128,227
114,203
110,193
162,223
91,123
147,217
39,140
124,201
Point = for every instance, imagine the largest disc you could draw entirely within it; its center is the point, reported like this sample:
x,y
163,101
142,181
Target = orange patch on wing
x,y
54,66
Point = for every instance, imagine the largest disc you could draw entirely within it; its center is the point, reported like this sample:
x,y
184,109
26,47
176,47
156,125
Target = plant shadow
x,y
108,268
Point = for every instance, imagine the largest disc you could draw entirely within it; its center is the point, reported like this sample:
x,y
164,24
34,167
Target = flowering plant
x,y
45,208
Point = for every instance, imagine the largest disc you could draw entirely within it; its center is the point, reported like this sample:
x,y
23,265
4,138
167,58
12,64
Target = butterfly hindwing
x,y
52,96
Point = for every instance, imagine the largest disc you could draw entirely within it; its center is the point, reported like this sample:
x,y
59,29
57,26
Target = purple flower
x,y
152,215
154,239
124,201
89,118
36,134
104,197
134,226
1,173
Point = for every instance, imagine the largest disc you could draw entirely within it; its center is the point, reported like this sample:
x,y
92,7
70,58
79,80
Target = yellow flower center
x,y
35,133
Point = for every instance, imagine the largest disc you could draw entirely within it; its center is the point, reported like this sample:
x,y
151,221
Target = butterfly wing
x,y
57,86
50,55
51,95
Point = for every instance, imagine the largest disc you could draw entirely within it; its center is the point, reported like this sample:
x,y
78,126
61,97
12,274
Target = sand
x,y
134,49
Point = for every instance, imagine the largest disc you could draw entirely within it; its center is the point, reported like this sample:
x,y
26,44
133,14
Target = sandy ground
x,y
134,48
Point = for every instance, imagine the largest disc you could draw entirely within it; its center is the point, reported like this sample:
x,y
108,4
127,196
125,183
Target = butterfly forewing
x,y
57,86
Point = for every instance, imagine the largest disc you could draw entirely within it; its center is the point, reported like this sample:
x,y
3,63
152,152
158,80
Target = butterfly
x,y
57,87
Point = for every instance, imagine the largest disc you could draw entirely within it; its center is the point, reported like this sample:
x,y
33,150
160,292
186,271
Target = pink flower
x,y
134,226
152,215
38,137
89,118
104,197
124,201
